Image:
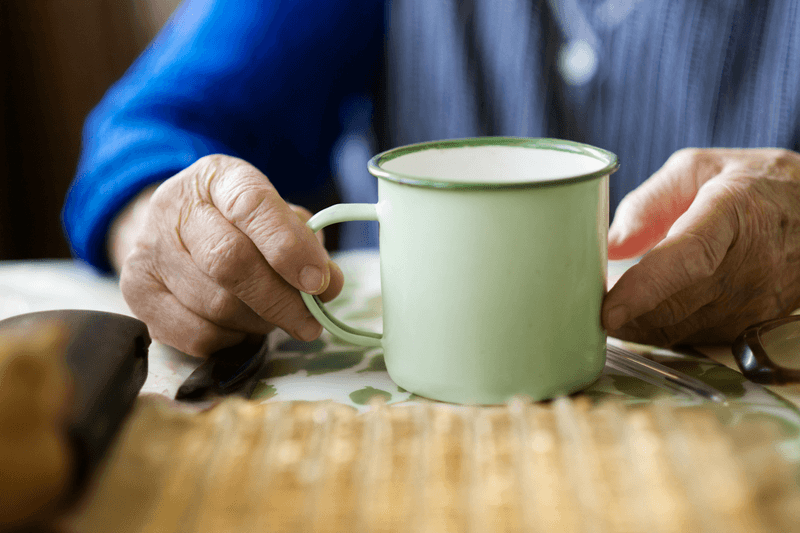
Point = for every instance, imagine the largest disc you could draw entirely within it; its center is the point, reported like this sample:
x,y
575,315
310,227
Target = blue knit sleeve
x,y
256,79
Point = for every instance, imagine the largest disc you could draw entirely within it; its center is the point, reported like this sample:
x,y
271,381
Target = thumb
x,y
646,214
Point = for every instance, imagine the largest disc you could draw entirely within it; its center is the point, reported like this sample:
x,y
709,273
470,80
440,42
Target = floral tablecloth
x,y
329,369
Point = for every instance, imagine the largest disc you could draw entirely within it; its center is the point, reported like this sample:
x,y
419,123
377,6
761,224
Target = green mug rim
x,y
539,143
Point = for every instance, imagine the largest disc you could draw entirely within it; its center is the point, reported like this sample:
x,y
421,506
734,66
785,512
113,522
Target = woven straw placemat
x,y
561,466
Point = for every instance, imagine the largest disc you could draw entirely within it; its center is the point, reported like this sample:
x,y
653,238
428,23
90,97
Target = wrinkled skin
x,y
220,256
722,227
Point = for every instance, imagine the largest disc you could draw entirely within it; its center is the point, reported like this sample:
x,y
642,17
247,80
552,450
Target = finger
x,y
646,214
706,326
204,297
246,198
652,337
169,322
305,215
228,257
681,305
336,284
692,252
637,331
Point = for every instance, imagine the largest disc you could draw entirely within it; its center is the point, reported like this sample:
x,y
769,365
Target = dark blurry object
x,y
769,352
233,370
57,59
69,378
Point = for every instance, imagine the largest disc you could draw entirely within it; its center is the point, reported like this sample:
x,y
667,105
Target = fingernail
x,y
312,279
617,317
310,330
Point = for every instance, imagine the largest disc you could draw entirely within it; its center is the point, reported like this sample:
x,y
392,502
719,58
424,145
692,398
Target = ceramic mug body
x,y
493,267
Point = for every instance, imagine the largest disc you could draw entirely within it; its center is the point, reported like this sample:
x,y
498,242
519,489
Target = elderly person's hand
x,y
216,255
722,227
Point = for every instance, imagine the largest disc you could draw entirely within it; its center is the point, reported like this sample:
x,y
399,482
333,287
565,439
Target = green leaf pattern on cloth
x,y
635,387
263,391
363,396
329,369
294,345
376,364
326,363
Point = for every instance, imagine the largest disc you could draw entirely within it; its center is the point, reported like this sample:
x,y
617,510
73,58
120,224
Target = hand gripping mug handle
x,y
333,215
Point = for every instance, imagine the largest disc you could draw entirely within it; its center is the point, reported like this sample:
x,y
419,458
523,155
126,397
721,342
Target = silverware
x,y
632,364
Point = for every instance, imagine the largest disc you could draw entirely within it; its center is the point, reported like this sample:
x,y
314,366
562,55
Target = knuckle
x,y
129,285
250,206
165,189
206,171
698,163
211,159
220,305
140,292
701,257
284,240
731,185
214,163
164,195
785,157
222,260
686,157
245,194
136,281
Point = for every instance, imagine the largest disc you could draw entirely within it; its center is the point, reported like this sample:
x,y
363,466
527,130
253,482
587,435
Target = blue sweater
x,y
288,86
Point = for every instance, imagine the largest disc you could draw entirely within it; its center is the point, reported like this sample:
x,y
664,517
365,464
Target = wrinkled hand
x,y
221,256
724,228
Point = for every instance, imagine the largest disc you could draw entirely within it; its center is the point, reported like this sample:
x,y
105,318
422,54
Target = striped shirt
x,y
308,90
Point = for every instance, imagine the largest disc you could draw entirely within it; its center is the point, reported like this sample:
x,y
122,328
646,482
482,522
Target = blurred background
x,y
57,58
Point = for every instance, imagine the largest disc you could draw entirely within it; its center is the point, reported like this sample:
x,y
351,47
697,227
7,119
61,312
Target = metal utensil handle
x,y
627,368
621,357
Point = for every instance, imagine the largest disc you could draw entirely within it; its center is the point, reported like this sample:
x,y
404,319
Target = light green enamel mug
x,y
493,257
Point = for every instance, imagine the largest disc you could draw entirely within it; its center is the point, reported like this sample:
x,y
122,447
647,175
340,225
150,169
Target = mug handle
x,y
333,215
